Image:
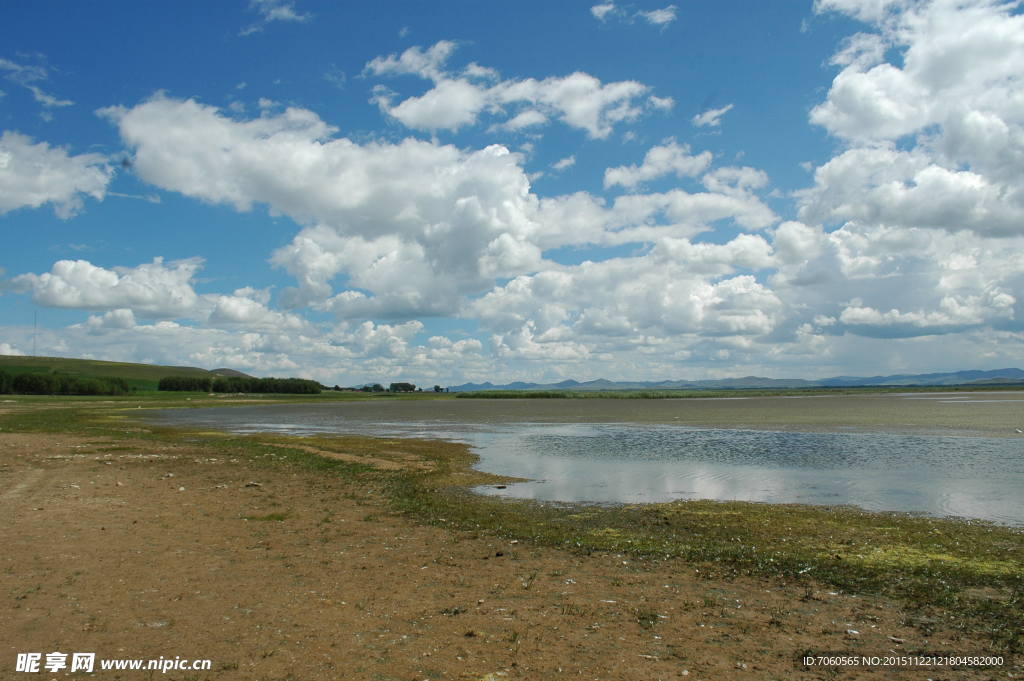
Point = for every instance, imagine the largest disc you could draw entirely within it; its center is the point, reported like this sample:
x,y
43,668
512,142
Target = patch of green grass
x,y
902,557
33,419
270,517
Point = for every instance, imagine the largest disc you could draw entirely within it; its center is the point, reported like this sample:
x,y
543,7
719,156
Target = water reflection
x,y
973,477
957,476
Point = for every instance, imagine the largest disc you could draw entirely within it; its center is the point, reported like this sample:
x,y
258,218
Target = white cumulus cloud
x,y
935,133
416,223
428,63
415,226
670,158
34,173
679,288
154,289
460,98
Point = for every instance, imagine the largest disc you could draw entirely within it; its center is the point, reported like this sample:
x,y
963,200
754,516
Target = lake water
x,y
881,453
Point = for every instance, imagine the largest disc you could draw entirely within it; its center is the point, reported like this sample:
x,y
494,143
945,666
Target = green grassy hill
x,y
140,376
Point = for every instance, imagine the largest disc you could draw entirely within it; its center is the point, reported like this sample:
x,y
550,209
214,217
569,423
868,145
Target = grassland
x,y
139,376
968,575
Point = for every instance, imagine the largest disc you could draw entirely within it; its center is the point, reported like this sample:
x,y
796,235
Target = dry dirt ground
x,y
141,550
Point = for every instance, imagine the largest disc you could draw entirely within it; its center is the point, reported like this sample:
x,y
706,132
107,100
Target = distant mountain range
x,y
970,377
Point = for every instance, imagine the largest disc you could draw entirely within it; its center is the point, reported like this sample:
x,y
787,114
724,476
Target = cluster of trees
x,y
395,388
61,384
240,384
190,383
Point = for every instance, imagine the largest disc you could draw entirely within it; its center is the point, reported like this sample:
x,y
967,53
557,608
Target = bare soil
x,y
135,549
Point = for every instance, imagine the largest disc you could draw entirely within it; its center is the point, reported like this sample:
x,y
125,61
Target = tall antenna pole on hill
x,y
35,326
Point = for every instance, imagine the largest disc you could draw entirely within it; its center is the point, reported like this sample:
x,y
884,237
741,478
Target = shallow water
x,y
907,465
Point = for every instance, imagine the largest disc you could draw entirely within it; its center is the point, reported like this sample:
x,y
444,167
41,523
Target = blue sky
x,y
443,192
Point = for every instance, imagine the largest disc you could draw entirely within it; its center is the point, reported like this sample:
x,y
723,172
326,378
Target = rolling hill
x,y
141,376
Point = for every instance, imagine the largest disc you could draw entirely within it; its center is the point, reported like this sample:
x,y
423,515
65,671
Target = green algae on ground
x,y
902,557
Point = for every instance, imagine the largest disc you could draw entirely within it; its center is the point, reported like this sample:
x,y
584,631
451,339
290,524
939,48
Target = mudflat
x,y
990,414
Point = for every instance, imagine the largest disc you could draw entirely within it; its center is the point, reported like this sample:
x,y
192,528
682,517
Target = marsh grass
x,y
969,574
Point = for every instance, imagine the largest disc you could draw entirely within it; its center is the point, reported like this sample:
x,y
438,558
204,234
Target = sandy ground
x,y
137,550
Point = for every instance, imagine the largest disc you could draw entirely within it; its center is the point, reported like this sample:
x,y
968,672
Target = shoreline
x,y
867,491
415,516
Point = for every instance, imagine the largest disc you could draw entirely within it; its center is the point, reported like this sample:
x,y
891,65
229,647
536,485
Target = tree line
x,y
61,384
399,387
240,384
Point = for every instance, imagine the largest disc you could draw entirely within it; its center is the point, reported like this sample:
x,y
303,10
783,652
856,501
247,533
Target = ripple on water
x,y
957,476
974,477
